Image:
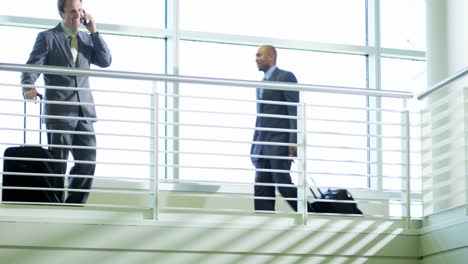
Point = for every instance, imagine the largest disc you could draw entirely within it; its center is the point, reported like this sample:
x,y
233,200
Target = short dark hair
x,y
61,5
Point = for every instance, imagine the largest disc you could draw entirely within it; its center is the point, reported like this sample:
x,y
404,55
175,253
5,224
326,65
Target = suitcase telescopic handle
x,y
318,189
40,116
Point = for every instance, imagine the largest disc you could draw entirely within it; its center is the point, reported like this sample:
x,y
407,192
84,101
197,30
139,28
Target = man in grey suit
x,y
65,46
265,195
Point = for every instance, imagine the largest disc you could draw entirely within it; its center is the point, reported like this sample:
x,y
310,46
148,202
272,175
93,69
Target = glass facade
x,y
226,40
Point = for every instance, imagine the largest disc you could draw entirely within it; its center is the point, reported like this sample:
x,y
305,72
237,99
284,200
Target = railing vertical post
x,y
155,150
406,170
302,157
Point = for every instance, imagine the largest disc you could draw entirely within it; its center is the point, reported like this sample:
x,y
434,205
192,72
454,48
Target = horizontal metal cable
x,y
231,113
73,132
217,195
45,102
237,196
363,108
233,141
88,205
32,174
321,187
76,190
77,147
385,193
223,168
249,155
77,161
228,155
131,121
224,211
349,175
267,156
353,121
202,80
355,135
355,148
308,105
224,183
271,129
68,88
232,99
213,126
68,103
358,162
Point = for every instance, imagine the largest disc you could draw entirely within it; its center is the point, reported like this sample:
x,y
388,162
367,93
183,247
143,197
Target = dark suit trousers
x,y
273,177
69,140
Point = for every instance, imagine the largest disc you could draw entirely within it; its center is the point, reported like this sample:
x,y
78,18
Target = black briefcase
x,y
28,174
25,170
347,206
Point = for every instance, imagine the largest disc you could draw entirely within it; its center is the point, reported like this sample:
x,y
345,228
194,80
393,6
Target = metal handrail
x,y
443,83
203,80
155,164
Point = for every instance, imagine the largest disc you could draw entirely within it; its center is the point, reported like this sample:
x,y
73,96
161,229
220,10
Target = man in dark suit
x,y
65,46
271,157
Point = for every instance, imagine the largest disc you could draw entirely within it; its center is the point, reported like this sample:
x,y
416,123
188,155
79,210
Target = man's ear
x,y
62,15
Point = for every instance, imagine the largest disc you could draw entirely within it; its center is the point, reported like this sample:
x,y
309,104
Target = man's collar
x,y
269,72
66,30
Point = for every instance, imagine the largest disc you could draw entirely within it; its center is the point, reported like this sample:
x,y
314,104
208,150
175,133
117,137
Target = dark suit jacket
x,y
272,122
53,49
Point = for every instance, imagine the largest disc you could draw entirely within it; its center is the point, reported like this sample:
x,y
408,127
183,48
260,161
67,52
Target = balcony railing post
x,y
302,159
155,150
405,147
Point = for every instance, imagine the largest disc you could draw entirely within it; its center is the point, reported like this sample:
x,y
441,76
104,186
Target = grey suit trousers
x,y
79,181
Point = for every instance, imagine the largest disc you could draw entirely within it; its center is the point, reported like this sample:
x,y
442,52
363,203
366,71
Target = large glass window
x,y
234,61
229,112
400,75
403,24
135,13
336,21
21,44
148,55
225,61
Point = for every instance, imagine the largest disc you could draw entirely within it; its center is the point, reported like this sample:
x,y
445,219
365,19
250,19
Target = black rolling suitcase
x,y
346,207
26,176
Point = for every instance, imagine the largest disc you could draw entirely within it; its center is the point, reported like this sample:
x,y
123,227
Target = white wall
x,y
443,238
457,35
120,238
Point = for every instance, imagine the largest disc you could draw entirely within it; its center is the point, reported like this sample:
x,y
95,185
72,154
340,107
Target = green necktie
x,y
74,46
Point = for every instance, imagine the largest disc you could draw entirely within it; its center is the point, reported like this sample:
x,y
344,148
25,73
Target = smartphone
x,y
84,21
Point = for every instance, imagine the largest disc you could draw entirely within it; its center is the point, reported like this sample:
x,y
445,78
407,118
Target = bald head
x,y
266,57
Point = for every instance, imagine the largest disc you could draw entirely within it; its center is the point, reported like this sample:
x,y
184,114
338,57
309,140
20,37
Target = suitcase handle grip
x,y
318,189
41,98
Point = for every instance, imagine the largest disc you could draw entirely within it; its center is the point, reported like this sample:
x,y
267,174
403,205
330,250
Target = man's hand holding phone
x,y
88,21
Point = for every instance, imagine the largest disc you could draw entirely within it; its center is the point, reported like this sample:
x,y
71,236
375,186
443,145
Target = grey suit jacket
x,y
273,122
53,49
